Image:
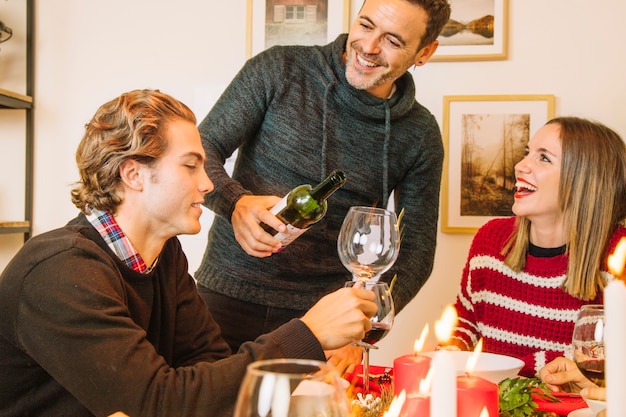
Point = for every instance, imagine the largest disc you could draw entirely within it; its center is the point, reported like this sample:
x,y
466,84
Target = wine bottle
x,y
303,207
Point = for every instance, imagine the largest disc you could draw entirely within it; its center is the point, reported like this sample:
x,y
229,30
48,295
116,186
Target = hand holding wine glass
x,y
368,242
341,317
381,322
588,342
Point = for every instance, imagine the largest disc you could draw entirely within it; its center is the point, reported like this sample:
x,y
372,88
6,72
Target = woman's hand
x,y
562,374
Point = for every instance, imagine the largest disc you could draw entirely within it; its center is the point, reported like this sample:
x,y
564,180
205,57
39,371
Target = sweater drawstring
x,y
325,122
386,155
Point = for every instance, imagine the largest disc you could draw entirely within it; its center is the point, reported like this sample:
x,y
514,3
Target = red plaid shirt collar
x,y
113,235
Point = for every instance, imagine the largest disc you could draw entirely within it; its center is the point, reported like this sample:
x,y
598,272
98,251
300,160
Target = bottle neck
x,y
324,189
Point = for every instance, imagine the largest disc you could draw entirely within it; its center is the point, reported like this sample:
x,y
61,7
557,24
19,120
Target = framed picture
x,y
281,22
484,137
477,31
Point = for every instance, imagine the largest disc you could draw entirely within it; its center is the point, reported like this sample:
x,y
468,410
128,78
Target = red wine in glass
x,y
381,322
379,330
593,370
588,342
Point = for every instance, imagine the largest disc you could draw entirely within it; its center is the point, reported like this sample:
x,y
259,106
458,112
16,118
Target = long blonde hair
x,y
592,202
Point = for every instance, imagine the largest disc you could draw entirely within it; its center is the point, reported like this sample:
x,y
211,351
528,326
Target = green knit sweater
x,y
293,118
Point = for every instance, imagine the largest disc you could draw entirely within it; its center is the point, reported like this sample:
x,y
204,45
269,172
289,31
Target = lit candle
x,y
418,404
617,261
475,394
615,334
409,370
443,395
396,405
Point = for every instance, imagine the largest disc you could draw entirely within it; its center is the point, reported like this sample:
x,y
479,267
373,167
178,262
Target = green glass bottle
x,y
303,207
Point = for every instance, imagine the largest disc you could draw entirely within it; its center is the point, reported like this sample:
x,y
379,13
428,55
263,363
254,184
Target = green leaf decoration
x,y
516,398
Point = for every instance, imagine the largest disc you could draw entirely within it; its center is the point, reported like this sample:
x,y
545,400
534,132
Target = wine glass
x,y
369,242
588,342
382,322
292,388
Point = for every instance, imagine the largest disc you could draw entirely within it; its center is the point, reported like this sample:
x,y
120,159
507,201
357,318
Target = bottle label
x,y
292,232
290,235
279,206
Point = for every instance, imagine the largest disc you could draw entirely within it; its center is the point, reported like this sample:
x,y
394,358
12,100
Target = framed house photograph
x,y
285,22
477,31
484,137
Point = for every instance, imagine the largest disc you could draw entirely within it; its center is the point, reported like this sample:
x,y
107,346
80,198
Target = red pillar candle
x,y
474,393
416,406
408,371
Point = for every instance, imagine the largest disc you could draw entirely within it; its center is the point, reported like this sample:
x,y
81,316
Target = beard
x,y
361,80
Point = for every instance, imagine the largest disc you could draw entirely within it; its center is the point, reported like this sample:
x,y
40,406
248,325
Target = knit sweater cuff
x,y
229,195
297,341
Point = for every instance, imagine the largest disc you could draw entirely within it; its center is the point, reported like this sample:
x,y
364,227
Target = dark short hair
x,y
438,15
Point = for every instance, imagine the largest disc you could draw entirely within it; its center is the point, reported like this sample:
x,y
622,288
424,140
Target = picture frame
x,y
484,137
273,22
477,31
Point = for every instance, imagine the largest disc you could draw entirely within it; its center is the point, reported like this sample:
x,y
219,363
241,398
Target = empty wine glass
x,y
382,322
292,388
588,342
369,242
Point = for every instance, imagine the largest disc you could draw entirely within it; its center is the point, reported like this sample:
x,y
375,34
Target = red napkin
x,y
380,376
566,404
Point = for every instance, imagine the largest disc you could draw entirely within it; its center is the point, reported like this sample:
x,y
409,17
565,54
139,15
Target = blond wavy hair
x,y
131,126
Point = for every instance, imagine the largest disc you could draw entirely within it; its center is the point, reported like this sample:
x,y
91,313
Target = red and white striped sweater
x,y
522,314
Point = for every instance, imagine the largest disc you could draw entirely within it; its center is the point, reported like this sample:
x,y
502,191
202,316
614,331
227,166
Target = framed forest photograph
x,y
283,22
484,137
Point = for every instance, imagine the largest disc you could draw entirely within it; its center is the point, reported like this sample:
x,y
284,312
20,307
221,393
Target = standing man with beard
x,y
295,113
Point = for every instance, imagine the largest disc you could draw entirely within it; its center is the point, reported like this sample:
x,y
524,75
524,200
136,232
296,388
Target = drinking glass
x,y
382,322
292,388
588,342
369,242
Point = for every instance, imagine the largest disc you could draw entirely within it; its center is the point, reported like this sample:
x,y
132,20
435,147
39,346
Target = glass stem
x,y
366,369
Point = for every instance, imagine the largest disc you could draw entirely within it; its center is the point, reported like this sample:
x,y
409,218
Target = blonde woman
x,y
526,276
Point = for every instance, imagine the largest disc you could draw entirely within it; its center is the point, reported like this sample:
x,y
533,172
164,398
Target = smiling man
x,y
294,114
101,315
382,45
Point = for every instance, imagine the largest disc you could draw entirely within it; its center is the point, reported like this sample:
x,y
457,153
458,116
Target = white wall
x,y
90,52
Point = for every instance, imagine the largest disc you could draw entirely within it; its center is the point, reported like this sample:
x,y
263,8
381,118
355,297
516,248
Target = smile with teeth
x,y
524,187
364,62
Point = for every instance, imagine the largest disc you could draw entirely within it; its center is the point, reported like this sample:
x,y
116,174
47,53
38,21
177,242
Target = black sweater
x,y
81,334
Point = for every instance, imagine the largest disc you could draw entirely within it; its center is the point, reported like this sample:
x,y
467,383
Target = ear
x,y
425,53
131,174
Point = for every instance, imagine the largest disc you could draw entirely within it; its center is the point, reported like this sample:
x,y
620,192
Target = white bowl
x,y
595,405
490,366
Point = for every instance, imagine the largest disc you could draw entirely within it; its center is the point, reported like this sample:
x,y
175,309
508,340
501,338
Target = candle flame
x,y
425,383
446,324
484,413
617,261
396,405
470,365
419,343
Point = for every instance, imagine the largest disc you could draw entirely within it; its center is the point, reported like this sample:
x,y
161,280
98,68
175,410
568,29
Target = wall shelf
x,y
12,101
